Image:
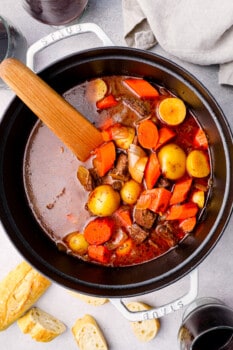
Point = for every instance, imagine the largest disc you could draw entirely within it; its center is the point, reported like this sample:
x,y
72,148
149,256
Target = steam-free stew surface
x,y
140,193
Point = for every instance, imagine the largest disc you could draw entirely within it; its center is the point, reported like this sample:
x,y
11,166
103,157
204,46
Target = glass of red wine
x,y
55,12
207,324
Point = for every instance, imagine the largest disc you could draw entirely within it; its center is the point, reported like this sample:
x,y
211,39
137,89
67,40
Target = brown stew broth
x,y
55,195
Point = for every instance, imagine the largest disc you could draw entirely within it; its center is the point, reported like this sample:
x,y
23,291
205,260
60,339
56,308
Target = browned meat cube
x,y
120,172
163,236
138,234
163,182
144,217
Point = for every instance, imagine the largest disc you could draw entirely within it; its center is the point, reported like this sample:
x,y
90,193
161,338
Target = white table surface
x,y
215,272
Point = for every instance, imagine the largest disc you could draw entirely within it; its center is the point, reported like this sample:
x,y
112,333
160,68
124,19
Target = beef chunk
x,y
163,236
138,234
120,172
163,182
97,180
142,108
144,217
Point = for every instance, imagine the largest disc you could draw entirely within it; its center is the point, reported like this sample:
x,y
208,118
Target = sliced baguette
x,y
143,330
41,326
88,335
95,301
19,290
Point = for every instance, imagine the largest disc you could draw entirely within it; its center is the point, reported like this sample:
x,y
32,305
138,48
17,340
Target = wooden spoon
x,y
65,121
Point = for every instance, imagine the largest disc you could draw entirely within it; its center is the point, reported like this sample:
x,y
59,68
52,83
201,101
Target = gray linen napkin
x,y
197,31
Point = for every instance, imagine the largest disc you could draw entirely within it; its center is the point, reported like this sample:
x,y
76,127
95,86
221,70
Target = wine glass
x,y
55,12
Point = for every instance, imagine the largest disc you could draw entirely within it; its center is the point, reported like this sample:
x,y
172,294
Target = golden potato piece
x,y
97,89
103,200
77,242
172,111
197,164
130,191
172,161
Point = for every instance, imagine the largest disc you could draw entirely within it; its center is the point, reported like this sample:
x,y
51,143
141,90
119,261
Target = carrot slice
x,y
160,201
106,102
182,211
156,199
141,88
99,253
144,201
180,191
148,134
125,248
200,139
123,215
165,135
152,171
99,230
187,225
105,158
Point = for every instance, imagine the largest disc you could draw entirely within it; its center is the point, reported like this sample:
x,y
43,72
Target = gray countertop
x,y
215,272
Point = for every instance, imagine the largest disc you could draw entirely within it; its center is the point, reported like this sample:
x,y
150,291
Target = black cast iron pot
x,y
27,235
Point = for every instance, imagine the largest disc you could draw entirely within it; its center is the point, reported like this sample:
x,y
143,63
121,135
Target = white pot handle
x,y
63,33
164,309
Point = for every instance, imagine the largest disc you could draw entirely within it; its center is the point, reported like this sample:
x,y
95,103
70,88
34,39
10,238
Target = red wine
x,y
207,326
55,12
213,340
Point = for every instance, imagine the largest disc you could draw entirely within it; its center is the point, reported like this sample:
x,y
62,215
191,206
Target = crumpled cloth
x,y
196,31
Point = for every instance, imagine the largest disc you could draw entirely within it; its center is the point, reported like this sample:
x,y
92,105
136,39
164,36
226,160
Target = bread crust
x,y
88,335
94,301
143,330
40,325
19,290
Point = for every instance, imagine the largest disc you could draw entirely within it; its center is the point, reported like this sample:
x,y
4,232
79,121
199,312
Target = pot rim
x,y
190,262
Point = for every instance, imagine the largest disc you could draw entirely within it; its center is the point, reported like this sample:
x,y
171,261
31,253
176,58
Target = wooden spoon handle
x,y
65,121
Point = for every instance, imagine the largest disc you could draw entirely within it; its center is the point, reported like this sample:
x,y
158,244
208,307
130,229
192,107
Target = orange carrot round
x,y
125,248
98,230
99,253
148,134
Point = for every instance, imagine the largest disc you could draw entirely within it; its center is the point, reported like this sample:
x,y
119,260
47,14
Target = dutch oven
x,y
28,237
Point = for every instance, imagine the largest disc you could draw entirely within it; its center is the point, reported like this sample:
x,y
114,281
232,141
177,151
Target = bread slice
x,y
41,326
95,301
143,330
88,335
19,290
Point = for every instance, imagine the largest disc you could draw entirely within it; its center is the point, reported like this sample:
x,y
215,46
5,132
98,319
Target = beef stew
x,y
140,193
